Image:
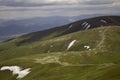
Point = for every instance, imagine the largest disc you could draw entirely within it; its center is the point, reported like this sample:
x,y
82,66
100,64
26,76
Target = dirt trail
x,y
55,59
51,59
103,36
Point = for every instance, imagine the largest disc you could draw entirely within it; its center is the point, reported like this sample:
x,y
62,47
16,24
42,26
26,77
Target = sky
x,y
23,9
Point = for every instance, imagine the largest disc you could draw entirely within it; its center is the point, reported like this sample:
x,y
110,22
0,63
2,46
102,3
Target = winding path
x,y
103,36
55,59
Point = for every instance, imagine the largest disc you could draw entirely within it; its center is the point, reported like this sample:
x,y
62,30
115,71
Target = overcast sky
x,y
21,9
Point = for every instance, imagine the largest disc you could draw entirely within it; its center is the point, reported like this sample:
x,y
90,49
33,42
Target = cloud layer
x,y
33,3
18,9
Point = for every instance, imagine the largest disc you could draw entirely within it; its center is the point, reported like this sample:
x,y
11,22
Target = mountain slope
x,y
84,50
50,59
70,28
13,28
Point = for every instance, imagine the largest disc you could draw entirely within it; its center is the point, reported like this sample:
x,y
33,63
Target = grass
x,y
100,63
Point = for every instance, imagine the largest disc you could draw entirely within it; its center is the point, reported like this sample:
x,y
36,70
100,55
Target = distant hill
x,y
13,28
70,28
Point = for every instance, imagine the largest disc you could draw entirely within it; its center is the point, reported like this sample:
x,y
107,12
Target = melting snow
x,y
16,70
70,26
103,21
67,28
71,44
86,25
87,47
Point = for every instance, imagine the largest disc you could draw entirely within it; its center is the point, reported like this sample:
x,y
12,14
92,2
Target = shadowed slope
x,y
70,28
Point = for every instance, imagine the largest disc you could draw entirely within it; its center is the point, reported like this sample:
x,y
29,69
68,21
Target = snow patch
x,y
70,26
71,44
67,28
87,47
86,25
16,70
103,21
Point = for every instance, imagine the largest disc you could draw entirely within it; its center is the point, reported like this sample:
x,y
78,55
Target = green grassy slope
x,y
48,62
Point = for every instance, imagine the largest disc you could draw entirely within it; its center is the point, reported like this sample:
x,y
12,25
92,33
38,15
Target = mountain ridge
x,y
72,27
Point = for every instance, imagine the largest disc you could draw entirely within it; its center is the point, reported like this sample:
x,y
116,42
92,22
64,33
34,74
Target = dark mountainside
x,y
12,28
35,24
70,28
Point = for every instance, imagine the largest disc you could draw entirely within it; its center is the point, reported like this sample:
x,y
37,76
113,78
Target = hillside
x,y
12,28
70,28
93,55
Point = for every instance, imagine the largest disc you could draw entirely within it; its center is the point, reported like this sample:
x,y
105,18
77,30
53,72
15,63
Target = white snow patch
x,y
103,21
67,28
84,23
88,26
71,44
70,26
16,70
87,47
